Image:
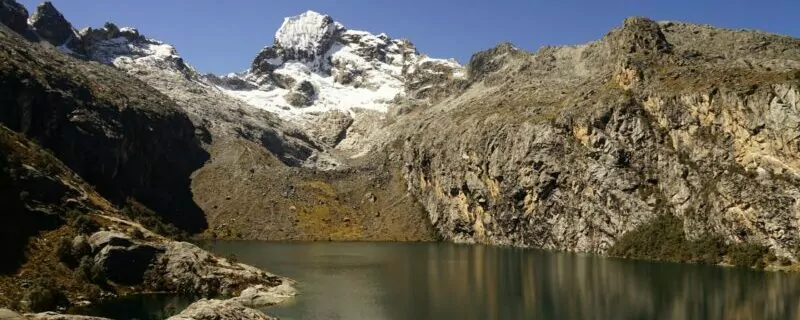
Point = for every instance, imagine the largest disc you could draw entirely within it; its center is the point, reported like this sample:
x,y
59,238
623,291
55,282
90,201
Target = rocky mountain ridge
x,y
326,81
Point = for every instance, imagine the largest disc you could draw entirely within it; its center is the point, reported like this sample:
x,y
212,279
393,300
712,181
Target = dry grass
x,y
246,200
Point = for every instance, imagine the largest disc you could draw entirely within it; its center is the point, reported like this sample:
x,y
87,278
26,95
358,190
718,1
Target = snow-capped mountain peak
x,y
307,35
316,64
317,74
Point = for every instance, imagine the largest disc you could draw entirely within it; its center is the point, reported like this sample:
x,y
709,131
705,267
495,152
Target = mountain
x,y
259,159
661,140
316,65
326,81
86,161
658,131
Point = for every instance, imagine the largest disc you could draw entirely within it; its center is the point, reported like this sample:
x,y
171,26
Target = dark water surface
x,y
373,281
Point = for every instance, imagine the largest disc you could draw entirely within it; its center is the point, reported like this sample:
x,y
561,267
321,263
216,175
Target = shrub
x,y
232,258
660,239
64,253
137,233
748,255
88,271
663,239
146,217
85,225
71,252
44,295
709,249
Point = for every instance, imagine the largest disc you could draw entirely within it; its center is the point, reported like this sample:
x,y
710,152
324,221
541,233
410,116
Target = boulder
x,y
6,314
58,316
80,246
206,309
331,127
100,239
126,265
283,81
261,296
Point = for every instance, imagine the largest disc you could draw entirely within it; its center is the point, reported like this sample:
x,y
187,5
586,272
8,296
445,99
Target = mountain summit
x,y
306,36
315,64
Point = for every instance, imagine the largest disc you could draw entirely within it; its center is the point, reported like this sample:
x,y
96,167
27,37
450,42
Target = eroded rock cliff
x,y
118,133
570,148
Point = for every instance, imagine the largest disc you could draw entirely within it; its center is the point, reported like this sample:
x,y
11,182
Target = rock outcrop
x,y
115,131
241,307
14,15
44,201
51,25
570,148
6,314
219,310
173,266
59,316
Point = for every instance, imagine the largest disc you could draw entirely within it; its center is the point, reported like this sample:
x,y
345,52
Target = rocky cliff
x,y
64,244
571,148
115,131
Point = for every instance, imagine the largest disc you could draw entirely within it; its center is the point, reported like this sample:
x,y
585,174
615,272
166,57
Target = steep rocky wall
x,y
122,136
60,236
628,129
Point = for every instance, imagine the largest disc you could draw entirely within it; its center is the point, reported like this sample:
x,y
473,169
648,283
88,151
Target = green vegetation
x,y
89,272
663,239
44,295
64,253
84,224
747,255
150,220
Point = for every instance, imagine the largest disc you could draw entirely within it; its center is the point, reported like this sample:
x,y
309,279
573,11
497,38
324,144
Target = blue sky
x,y
224,36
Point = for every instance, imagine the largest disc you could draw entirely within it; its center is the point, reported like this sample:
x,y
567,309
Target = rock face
x,y
301,95
33,196
51,25
41,195
570,148
14,15
115,131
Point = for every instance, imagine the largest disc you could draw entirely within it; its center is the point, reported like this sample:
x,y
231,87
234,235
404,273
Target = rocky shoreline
x,y
151,263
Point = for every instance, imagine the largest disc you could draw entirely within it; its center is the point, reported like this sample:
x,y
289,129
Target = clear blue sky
x,y
224,36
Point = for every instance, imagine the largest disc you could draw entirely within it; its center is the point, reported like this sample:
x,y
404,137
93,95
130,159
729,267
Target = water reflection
x,y
445,281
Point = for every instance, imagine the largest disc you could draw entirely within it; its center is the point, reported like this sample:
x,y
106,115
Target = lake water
x,y
374,281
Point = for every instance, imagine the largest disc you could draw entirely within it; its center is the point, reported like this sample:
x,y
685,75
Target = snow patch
x,y
330,94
